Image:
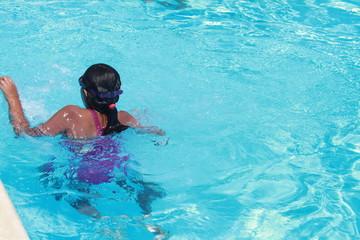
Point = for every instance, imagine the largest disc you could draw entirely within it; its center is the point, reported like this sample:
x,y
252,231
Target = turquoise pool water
x,y
259,100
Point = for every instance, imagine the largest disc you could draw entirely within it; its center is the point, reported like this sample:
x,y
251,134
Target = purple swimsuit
x,y
99,130
93,160
98,158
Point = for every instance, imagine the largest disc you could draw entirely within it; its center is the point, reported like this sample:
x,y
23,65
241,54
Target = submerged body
x,y
93,162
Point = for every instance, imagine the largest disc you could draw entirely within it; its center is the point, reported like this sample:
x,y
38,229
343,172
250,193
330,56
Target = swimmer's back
x,y
78,123
72,121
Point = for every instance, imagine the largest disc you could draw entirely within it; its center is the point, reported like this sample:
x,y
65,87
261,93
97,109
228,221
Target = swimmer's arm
x,y
20,124
60,123
17,117
128,120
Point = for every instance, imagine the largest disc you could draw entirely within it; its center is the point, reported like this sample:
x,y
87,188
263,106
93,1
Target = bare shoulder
x,y
63,121
72,108
72,111
126,118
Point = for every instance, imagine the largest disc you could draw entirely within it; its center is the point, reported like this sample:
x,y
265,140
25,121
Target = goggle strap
x,y
106,94
101,94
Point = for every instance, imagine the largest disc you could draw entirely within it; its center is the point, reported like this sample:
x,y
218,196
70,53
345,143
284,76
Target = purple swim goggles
x,y
100,94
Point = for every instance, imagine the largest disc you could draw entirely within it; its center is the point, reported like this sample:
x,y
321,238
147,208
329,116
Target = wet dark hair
x,y
103,83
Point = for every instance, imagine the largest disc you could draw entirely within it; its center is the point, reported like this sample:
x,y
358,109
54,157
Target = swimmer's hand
x,y
16,113
155,130
160,132
150,130
9,89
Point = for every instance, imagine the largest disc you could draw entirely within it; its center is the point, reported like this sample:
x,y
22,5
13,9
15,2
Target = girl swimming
x,y
95,159
100,90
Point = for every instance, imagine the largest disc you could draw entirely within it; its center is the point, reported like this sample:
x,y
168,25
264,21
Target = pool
x,y
259,100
